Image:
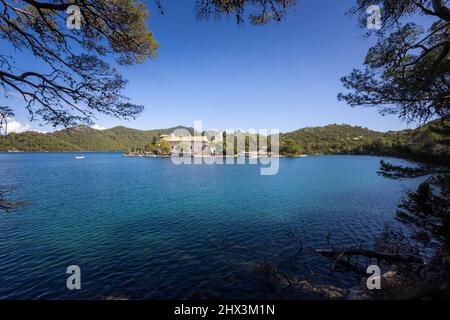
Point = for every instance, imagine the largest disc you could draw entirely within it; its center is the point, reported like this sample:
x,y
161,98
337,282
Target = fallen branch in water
x,y
338,257
8,205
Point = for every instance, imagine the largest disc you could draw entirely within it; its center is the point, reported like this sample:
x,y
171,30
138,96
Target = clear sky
x,y
283,76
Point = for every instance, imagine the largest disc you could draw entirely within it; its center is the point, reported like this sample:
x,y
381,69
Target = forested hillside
x,y
82,138
427,143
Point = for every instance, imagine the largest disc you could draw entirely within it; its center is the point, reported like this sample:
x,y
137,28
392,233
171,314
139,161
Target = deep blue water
x,y
143,228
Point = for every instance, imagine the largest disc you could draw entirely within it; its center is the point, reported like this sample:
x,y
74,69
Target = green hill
x,y
429,143
83,138
329,139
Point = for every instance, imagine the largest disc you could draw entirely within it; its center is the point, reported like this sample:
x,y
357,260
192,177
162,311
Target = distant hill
x,y
332,138
83,138
427,143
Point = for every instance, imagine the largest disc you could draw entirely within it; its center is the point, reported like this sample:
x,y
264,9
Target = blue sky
x,y
283,76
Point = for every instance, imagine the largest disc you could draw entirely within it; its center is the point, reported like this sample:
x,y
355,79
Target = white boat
x,y
79,157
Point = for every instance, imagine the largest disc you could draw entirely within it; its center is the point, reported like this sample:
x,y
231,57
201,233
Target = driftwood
x,y
338,257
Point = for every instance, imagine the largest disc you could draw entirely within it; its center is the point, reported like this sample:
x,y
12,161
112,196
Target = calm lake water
x,y
142,228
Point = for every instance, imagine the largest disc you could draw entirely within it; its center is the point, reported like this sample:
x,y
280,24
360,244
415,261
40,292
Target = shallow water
x,y
144,228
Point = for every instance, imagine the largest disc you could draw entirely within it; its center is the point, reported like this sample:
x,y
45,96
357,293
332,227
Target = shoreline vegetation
x,y
426,144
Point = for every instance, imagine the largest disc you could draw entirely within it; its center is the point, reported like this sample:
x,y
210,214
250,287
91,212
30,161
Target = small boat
x,y
79,157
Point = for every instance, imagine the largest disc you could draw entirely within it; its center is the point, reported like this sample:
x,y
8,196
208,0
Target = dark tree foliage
x,y
391,171
76,82
407,72
428,208
260,11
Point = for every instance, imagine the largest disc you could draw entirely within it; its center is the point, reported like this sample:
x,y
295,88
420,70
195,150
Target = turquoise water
x,y
142,228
